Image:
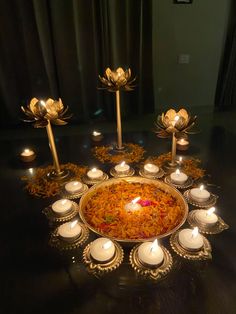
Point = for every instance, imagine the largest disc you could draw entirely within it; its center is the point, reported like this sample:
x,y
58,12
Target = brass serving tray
x,y
159,184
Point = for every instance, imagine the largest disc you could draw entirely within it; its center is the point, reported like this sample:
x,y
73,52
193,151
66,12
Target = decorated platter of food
x,y
133,209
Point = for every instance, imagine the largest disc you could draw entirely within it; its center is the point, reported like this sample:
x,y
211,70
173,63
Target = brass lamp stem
x,y
118,119
173,151
53,147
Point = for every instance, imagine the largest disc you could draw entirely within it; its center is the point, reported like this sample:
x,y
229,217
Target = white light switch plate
x,y
184,59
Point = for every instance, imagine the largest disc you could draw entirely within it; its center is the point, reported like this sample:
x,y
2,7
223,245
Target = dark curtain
x,y
57,48
226,87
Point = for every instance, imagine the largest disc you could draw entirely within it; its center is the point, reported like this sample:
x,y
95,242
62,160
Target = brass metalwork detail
x,y
218,227
99,269
60,244
42,114
210,202
52,216
174,124
203,254
115,174
183,186
114,81
156,273
89,181
158,175
71,196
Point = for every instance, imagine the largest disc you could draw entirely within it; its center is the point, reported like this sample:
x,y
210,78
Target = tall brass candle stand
x,y
42,114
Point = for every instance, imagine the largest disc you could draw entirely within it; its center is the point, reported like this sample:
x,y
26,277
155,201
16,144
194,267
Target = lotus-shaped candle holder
x,y
115,81
42,114
175,124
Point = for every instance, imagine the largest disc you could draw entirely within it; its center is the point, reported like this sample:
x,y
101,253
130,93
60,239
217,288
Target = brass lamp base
x,y
65,174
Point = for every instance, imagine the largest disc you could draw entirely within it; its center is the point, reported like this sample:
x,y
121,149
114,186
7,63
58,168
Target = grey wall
x,y
199,30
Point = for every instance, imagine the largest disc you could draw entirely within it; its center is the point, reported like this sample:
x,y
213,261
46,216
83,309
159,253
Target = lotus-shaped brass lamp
x,y
174,124
115,81
42,114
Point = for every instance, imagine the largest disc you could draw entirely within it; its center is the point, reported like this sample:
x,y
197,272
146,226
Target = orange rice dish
x,y
160,211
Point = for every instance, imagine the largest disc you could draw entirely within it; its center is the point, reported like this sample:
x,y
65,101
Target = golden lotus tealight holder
x,y
91,181
211,201
202,253
145,174
27,155
54,218
206,228
121,174
183,186
61,244
149,271
65,194
99,268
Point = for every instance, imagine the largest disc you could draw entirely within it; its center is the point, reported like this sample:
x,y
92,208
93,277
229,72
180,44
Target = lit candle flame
x,y
63,202
26,150
73,224
201,187
107,245
154,246
182,140
180,159
94,169
176,118
210,211
43,103
177,171
195,232
95,133
75,183
122,163
31,170
135,200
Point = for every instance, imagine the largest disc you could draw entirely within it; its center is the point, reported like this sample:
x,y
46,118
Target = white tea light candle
x,y
133,205
122,168
150,253
151,169
178,177
73,187
95,174
191,239
182,144
102,250
207,216
62,207
27,155
69,231
199,194
97,136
